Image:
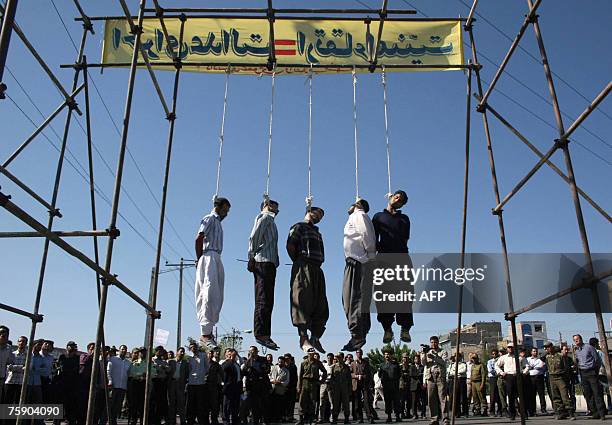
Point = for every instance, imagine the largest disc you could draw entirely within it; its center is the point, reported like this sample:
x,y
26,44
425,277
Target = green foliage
x,y
377,357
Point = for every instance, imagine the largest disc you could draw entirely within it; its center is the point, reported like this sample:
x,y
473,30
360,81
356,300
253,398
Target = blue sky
x,y
427,142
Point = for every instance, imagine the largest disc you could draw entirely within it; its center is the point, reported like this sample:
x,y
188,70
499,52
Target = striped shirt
x,y
263,242
15,370
308,241
210,226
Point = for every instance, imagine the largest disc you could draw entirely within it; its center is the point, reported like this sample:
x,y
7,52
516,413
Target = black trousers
x,y
512,392
592,390
135,396
275,407
231,403
290,398
363,398
197,404
537,388
159,400
392,399
212,395
265,277
462,405
405,400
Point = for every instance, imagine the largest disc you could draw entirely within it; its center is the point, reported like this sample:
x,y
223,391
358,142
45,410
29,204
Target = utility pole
x,y
181,265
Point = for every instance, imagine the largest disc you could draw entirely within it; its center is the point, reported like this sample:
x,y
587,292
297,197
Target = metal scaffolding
x,y
103,273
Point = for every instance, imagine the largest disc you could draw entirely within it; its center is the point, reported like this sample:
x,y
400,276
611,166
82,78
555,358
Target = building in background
x,y
530,334
475,338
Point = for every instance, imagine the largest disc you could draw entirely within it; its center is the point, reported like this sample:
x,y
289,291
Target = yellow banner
x,y
331,46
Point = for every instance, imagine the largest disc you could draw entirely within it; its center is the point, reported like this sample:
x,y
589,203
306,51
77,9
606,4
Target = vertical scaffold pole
x,y
574,193
114,213
500,220
466,176
162,217
5,38
52,214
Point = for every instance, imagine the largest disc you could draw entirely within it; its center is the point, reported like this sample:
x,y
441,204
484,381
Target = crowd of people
x,y
209,387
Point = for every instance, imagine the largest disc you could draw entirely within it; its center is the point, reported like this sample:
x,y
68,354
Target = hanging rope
x,y
355,134
267,193
384,84
309,197
222,134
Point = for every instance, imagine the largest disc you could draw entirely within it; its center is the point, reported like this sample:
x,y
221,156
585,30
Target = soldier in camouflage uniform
x,y
557,374
311,373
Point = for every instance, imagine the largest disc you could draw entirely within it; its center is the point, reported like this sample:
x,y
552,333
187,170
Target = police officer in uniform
x,y
311,374
557,374
363,383
478,376
435,378
389,374
341,384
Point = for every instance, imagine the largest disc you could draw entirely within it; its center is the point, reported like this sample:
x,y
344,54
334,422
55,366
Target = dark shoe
x,y
372,421
316,343
388,336
389,419
353,345
360,420
346,421
267,342
405,335
398,419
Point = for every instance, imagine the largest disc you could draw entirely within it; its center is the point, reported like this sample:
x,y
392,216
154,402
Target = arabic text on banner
x,y
298,44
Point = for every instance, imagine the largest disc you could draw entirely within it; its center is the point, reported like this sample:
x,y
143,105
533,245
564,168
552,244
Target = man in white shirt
x,y
536,367
359,248
210,275
117,372
506,368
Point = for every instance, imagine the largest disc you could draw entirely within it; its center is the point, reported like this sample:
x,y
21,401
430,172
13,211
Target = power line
x,y
97,189
534,58
113,121
598,156
107,166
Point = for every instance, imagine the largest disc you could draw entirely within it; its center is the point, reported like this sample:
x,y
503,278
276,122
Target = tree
x,y
377,357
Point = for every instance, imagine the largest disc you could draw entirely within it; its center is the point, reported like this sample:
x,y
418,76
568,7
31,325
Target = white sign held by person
x,y
161,337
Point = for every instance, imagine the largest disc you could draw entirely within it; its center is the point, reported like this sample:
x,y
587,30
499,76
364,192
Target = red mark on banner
x,y
284,47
